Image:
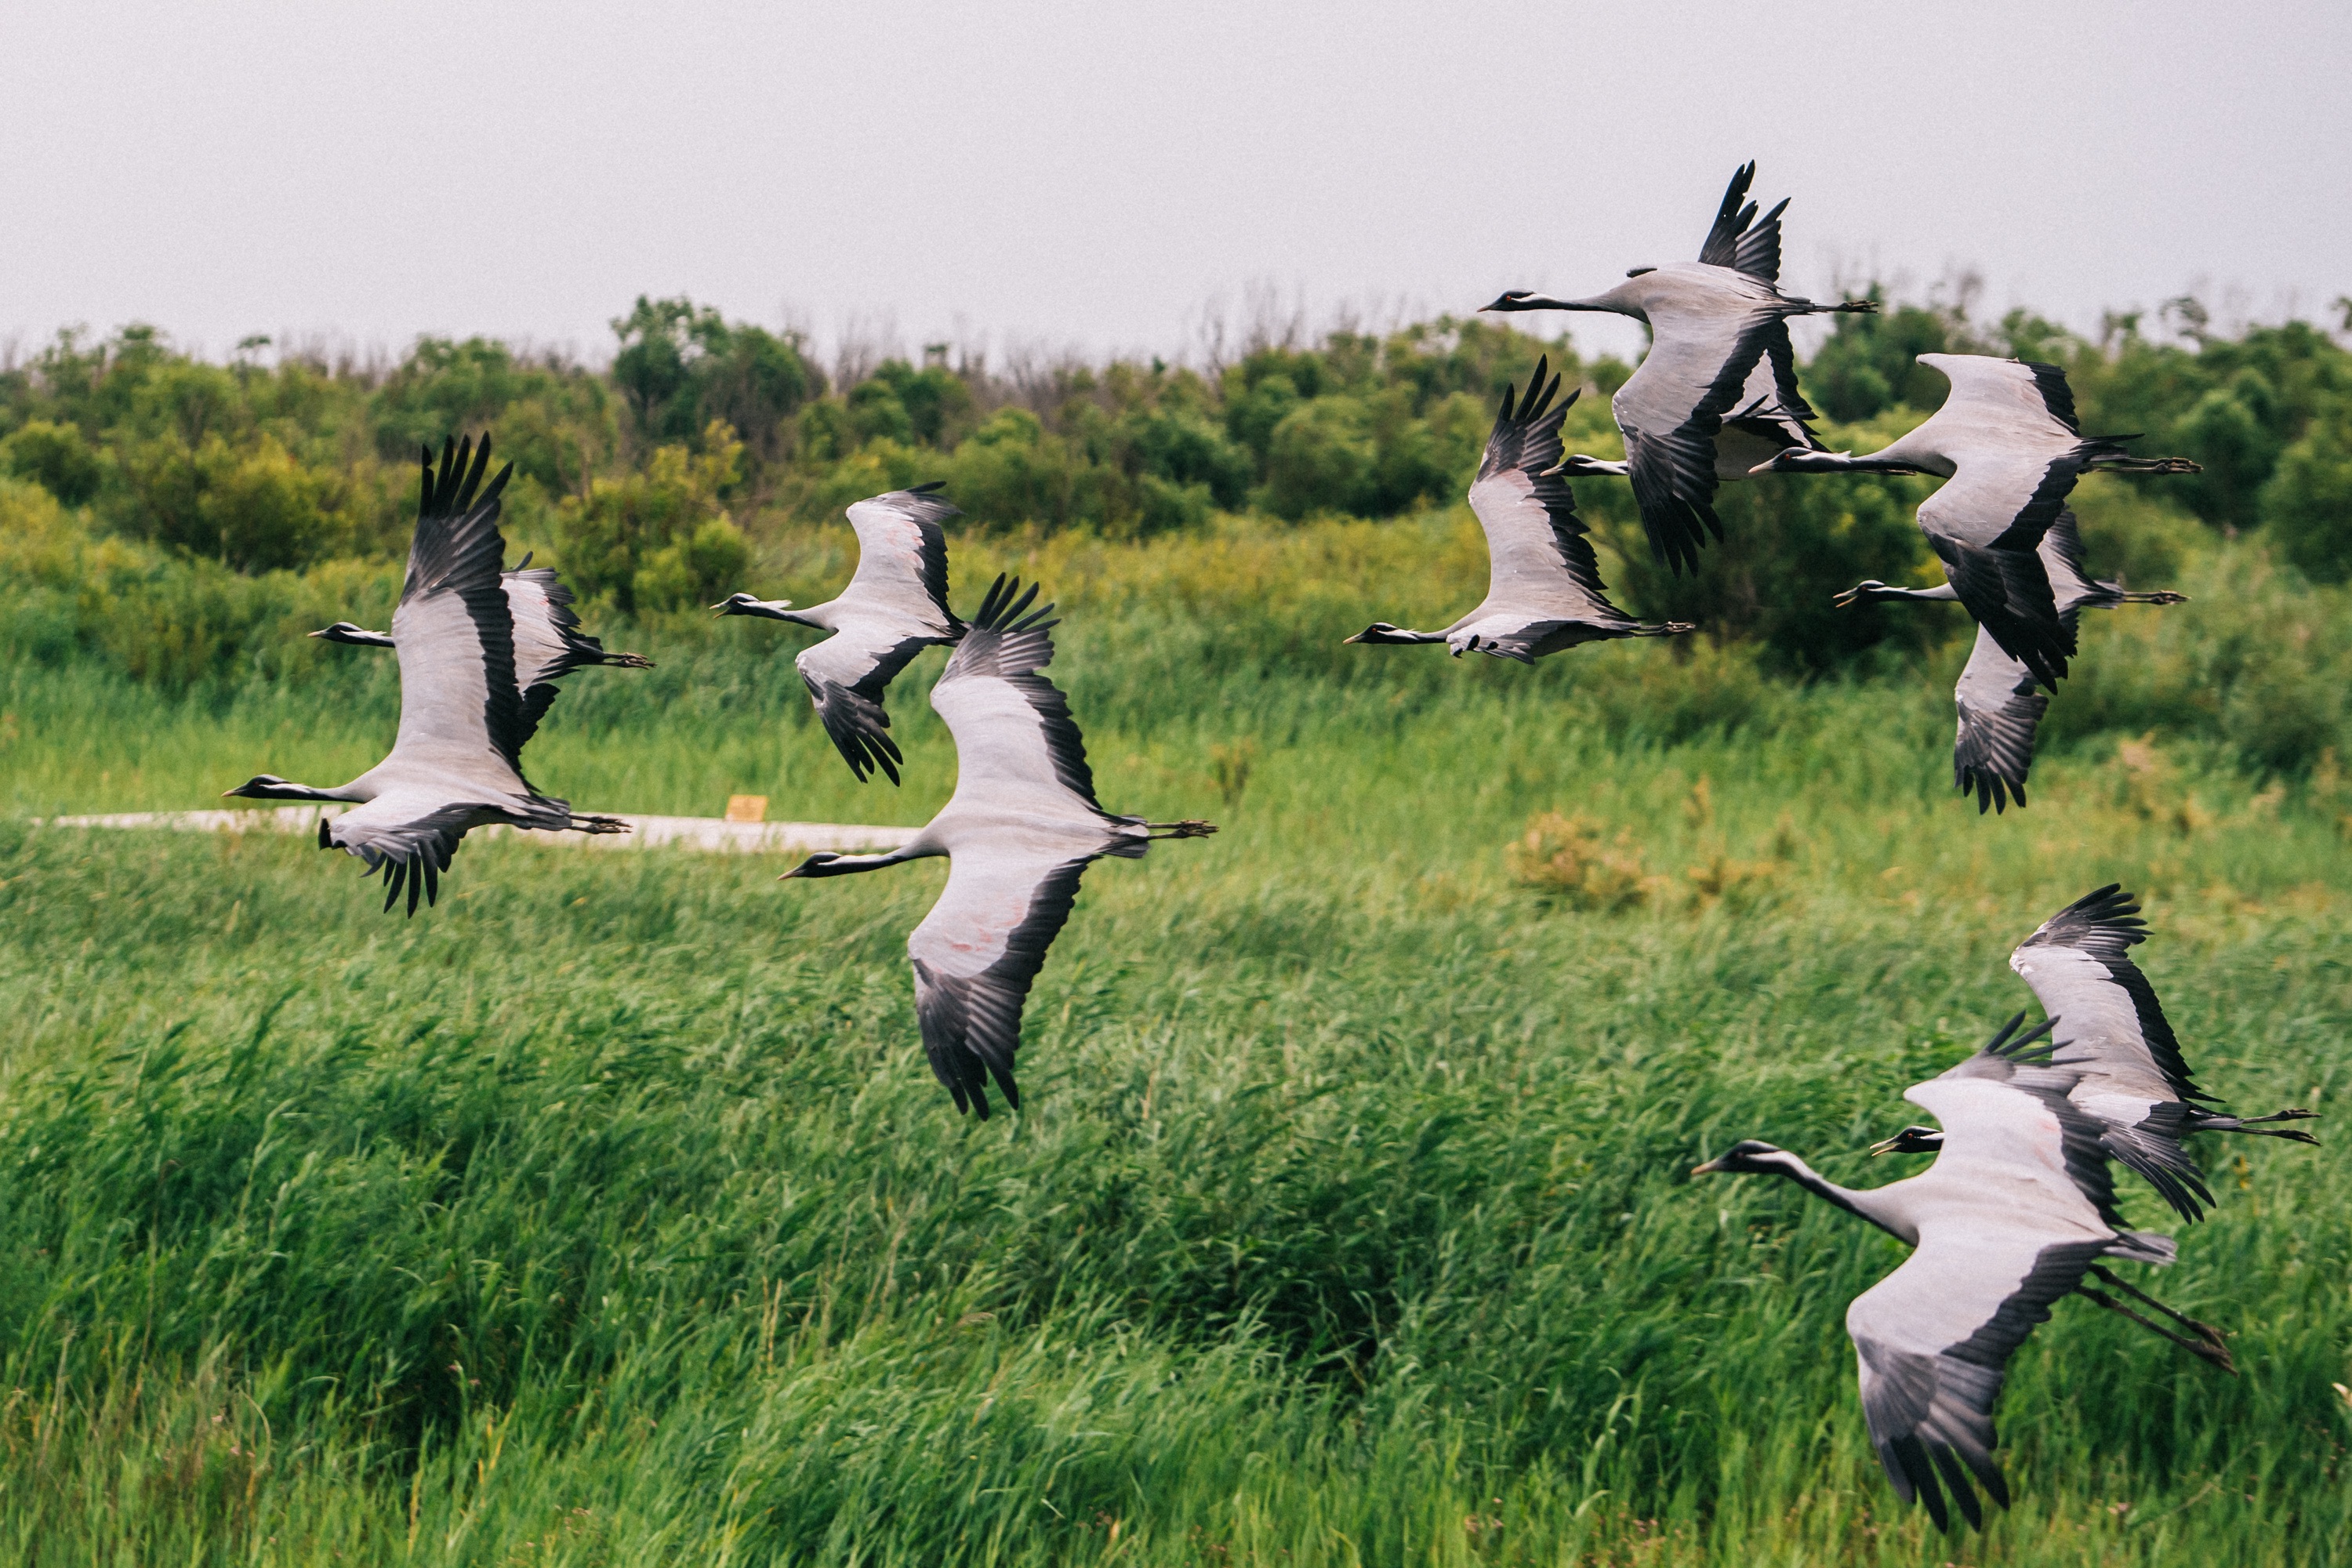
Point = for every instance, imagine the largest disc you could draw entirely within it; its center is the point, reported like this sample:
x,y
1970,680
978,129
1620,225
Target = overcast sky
x,y
1103,176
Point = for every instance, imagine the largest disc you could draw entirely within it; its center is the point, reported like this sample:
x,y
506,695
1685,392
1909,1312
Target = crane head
x,y
814,865
745,604
1743,1158
358,636
1866,592
1912,1140
262,786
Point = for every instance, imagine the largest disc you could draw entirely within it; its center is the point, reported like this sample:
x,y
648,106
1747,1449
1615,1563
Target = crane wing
x,y
2020,395
1986,524
2109,1022
2071,582
409,839
902,559
2022,1206
549,642
975,956
1672,407
1736,239
2000,707
460,709
1932,1342
2112,1031
1539,559
1017,748
847,675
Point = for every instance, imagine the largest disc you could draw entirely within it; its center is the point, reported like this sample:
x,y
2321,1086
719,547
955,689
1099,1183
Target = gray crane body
x,y
2017,1210
1020,830
455,761
1544,592
1999,701
2008,448
895,606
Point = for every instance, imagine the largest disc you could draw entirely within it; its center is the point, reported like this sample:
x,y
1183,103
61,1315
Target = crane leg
x,y
2253,1124
2208,1343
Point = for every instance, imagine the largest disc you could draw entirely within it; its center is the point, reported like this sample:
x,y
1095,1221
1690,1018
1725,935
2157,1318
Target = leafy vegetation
x,y
606,1214
707,443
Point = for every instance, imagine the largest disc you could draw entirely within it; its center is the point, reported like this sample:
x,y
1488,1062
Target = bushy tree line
x,y
652,482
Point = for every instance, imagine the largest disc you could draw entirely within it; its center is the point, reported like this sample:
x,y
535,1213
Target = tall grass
x,y
607,1214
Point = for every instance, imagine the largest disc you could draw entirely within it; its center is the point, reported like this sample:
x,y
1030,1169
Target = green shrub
x,y
653,531
1166,507
253,506
2232,431
1320,457
554,421
54,457
2307,503
682,369
1186,448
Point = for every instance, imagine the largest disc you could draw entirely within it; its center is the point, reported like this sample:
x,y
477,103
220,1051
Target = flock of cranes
x,y
2018,1208
1716,399
480,649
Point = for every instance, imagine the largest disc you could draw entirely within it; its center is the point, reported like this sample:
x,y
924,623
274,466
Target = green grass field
x,y
607,1214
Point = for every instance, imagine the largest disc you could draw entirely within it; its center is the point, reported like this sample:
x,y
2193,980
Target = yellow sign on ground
x,y
747,808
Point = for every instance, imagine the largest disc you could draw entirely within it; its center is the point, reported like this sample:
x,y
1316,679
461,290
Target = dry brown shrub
x,y
1566,860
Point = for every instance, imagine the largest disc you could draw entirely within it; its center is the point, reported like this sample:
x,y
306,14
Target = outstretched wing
x,y
2111,1030
2025,1207
1737,240
1539,560
2071,582
2108,1019
2028,400
2002,582
2000,707
1932,1342
1672,407
460,709
976,955
847,675
1017,747
410,841
549,642
902,559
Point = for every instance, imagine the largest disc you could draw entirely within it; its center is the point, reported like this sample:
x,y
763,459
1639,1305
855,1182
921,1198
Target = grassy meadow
x,y
607,1214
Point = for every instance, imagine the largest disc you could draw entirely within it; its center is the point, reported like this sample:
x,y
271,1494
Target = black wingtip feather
x,y
1002,611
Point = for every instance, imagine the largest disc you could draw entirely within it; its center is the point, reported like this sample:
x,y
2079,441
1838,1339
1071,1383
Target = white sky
x,y
1096,176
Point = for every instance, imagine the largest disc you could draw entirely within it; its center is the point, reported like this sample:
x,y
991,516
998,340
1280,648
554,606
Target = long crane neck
x,y
825,864
281,789
1878,1205
1880,593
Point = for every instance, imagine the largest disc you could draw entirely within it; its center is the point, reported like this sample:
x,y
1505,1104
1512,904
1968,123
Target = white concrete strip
x,y
684,832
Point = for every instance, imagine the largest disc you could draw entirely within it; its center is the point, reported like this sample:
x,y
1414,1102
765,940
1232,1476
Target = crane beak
x,y
1886,1146
1709,1169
